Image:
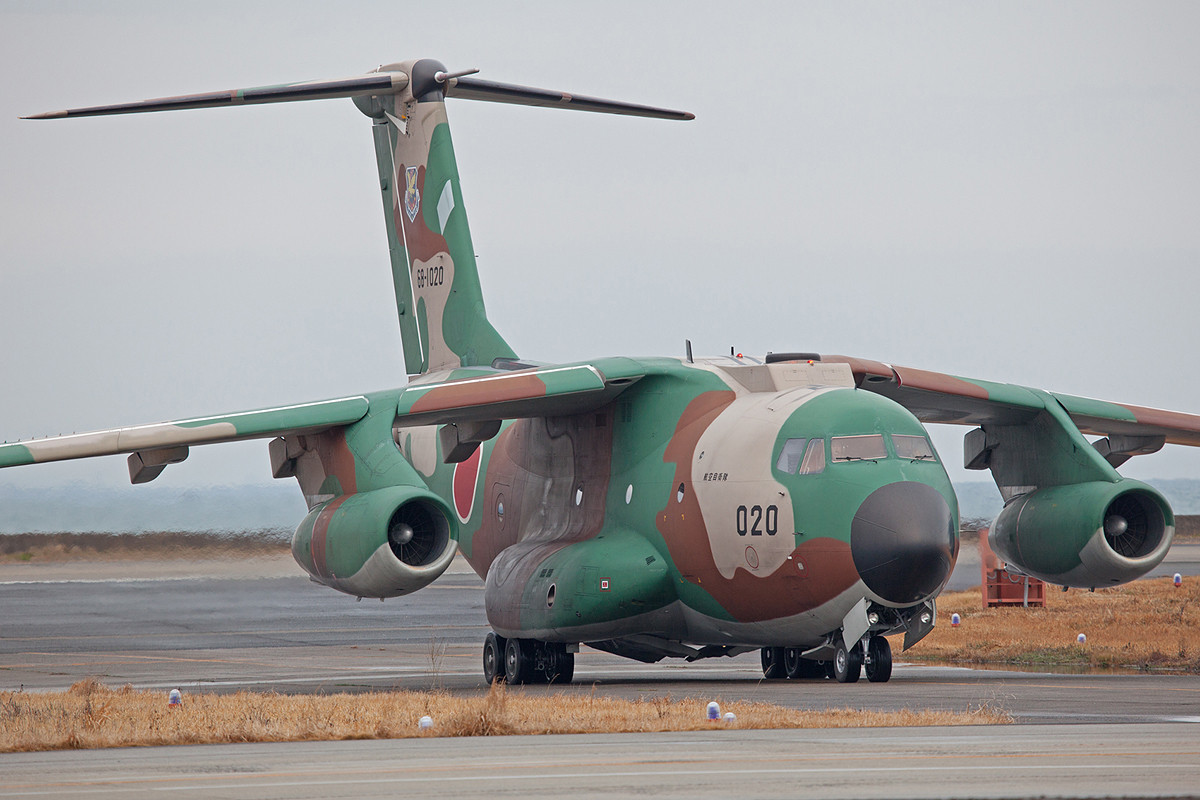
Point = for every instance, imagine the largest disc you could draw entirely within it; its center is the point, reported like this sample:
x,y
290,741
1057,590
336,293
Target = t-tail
x,y
443,323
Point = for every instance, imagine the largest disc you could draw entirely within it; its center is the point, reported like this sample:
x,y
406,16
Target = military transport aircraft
x,y
653,507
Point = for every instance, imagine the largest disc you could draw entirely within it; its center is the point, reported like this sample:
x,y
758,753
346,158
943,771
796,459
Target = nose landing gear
x,y
846,666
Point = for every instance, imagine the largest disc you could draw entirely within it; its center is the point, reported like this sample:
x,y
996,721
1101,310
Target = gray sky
x,y
1007,191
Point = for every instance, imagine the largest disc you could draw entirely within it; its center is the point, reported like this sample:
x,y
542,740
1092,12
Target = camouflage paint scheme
x,y
653,507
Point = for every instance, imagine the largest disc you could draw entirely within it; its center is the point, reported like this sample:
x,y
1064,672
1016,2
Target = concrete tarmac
x,y
988,762
260,625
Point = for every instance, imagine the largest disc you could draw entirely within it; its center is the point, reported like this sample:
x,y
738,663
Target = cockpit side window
x,y
814,459
858,448
789,457
915,447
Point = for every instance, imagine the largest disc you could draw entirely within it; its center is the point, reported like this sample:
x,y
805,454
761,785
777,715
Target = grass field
x,y
1145,625
92,715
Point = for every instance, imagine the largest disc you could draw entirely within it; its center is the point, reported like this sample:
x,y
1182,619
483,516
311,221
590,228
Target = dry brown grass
x,y
57,547
1147,625
92,715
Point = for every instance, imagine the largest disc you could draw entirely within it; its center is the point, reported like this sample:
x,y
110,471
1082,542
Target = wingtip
x,y
47,115
689,115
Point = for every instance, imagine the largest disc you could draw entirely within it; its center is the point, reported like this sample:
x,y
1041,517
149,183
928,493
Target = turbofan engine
x,y
382,543
1087,534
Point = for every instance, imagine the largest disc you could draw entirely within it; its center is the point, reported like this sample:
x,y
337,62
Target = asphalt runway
x,y
261,625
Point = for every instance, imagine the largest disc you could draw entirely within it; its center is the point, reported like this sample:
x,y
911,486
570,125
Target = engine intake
x,y
1086,535
383,543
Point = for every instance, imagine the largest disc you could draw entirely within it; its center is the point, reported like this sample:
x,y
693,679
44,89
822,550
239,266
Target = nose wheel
x,y
847,663
878,660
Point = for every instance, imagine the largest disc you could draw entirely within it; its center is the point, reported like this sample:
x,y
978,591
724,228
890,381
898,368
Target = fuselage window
x,y
915,447
789,458
814,459
858,448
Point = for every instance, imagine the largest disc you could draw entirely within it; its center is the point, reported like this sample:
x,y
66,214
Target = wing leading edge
x,y
940,398
153,447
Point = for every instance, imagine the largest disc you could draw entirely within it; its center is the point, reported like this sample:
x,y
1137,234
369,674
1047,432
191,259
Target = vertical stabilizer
x,y
438,297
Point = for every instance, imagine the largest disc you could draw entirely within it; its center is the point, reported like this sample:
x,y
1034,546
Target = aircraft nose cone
x,y
903,542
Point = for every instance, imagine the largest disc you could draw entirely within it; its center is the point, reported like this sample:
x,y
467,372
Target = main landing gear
x,y
526,661
847,665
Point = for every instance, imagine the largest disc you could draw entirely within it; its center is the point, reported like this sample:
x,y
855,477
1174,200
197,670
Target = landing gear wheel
x,y
560,666
793,664
518,662
493,658
847,664
879,660
772,663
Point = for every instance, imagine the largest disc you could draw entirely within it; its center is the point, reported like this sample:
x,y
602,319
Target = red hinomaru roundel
x,y
466,473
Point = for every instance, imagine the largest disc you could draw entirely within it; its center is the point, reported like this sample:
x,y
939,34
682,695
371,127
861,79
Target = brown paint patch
x,y
829,566
478,392
423,244
538,464
1174,420
337,460
320,533
938,382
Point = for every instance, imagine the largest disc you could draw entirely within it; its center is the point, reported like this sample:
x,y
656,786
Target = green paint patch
x,y
15,455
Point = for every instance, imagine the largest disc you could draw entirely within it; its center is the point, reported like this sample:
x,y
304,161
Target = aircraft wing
x,y
546,391
156,445
937,397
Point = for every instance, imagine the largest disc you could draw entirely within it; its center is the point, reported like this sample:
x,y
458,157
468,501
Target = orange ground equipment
x,y
1004,588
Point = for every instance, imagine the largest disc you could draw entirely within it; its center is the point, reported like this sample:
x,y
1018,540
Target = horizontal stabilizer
x,y
489,91
426,79
373,84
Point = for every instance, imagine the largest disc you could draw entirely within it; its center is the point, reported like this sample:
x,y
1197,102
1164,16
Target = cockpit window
x,y
814,459
858,448
789,458
915,447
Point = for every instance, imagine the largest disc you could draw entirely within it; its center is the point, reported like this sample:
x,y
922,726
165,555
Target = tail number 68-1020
x,y
755,521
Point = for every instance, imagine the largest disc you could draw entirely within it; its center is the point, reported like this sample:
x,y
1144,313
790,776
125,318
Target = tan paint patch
x,y
126,440
748,597
732,469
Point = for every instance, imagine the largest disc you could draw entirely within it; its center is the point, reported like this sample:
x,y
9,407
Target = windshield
x,y
858,448
914,447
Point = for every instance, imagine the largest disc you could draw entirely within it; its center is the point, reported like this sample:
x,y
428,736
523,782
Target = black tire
x,y
518,663
493,657
847,663
562,668
772,663
879,660
792,663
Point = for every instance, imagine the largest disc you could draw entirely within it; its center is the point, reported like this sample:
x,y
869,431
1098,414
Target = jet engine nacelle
x,y
1087,534
382,543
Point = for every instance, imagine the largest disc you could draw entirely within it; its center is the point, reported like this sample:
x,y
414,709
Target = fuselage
x,y
715,503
